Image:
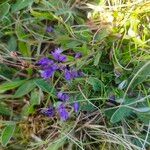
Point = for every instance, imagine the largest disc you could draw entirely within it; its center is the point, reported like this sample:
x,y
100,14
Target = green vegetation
x,y
113,37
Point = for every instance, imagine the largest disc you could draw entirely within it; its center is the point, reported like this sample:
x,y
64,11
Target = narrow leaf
x,y
7,134
97,58
20,4
24,48
25,88
4,110
4,9
46,87
140,74
35,98
10,85
120,113
96,83
12,43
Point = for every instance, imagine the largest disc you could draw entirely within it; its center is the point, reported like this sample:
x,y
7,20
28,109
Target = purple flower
x,y
58,51
68,75
55,67
72,74
49,29
76,107
48,72
62,58
78,55
58,56
50,112
64,115
44,62
63,96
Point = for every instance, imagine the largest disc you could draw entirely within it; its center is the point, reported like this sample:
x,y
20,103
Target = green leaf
x,y
87,107
35,98
20,4
57,145
4,9
109,112
4,110
96,83
101,35
140,74
6,71
25,88
72,44
12,43
20,32
10,85
46,87
27,110
7,134
24,48
97,58
120,113
144,118
84,49
43,15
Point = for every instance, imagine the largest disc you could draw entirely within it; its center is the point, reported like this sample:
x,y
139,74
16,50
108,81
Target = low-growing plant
x,y
74,74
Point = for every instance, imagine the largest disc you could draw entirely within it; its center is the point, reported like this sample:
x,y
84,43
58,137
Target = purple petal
x,y
58,56
72,74
50,112
49,29
48,73
54,67
76,107
62,58
58,51
59,95
64,115
45,62
78,55
63,96
68,75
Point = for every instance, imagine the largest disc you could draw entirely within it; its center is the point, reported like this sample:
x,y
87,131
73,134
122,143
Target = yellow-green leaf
x,y
7,134
4,9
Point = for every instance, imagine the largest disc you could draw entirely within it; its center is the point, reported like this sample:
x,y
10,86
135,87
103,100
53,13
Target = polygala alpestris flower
x,y
50,112
49,71
72,74
63,96
49,29
57,55
45,62
64,115
78,55
76,107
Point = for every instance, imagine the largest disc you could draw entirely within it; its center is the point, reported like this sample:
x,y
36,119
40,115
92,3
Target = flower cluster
x,y
49,29
61,109
48,68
